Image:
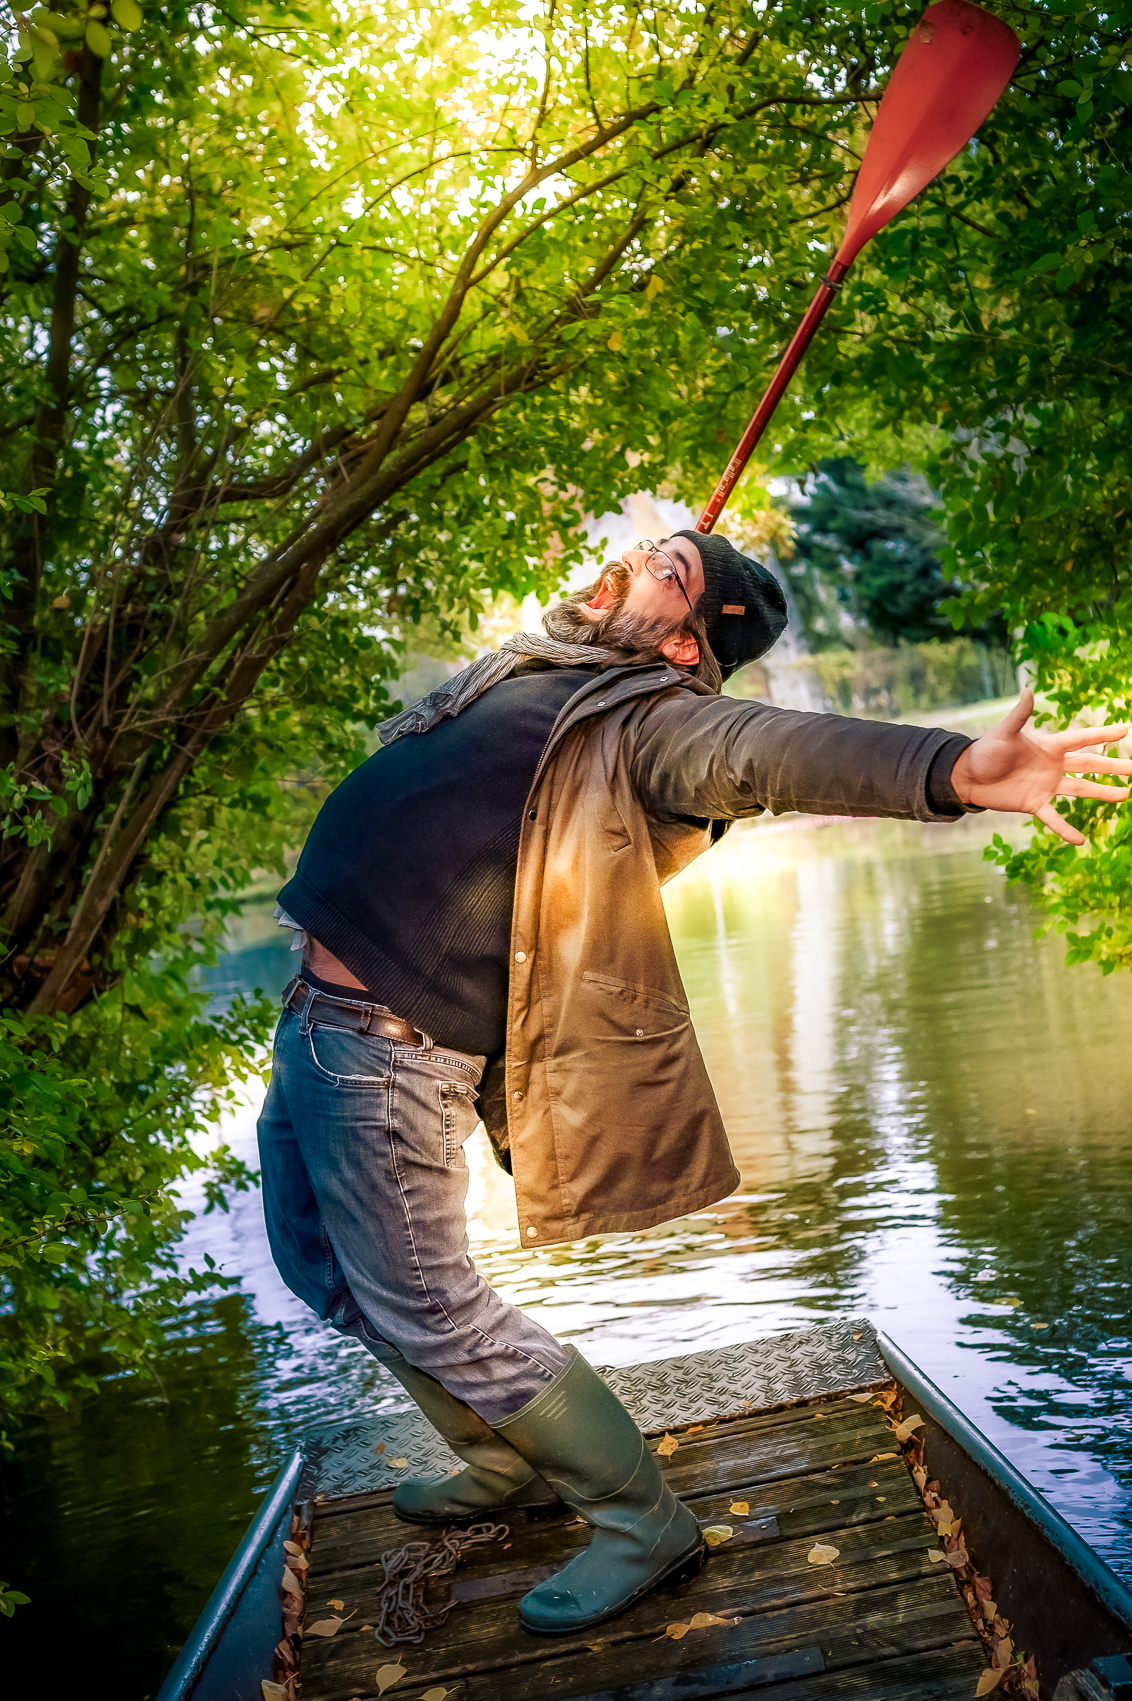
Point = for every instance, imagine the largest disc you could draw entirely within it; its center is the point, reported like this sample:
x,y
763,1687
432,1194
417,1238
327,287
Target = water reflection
x,y
930,1113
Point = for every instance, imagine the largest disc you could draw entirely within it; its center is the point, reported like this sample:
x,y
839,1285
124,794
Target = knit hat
x,y
744,607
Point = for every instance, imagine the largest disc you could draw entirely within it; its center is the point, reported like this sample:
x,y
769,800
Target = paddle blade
x,y
952,71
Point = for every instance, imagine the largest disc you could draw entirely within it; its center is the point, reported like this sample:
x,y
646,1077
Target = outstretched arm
x,y
1023,771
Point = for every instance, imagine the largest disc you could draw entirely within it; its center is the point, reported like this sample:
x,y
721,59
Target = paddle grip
x,y
787,366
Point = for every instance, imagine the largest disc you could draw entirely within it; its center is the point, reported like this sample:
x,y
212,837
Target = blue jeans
x,y
364,1180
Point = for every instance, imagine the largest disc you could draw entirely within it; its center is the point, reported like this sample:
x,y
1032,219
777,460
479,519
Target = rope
x,y
403,1614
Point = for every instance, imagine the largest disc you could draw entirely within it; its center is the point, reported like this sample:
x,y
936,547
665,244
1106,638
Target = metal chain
x,y
402,1613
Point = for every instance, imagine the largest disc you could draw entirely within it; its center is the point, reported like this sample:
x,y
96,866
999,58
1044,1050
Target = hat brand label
x,y
734,608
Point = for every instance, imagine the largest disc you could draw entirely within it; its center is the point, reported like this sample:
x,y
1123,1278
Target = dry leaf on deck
x,y
903,1431
292,1547
990,1611
387,1676
668,1446
380,1448
325,1627
594,1648
920,1477
701,1620
298,1561
822,1554
677,1630
740,1508
434,1694
270,1689
339,1606
821,1414
716,1534
398,1464
957,1558
936,1557
862,1397
291,1582
989,1680
942,1514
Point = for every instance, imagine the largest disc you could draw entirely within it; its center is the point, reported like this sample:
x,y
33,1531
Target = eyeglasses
x,y
667,571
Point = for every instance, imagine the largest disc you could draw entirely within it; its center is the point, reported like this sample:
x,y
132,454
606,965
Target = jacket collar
x,y
609,690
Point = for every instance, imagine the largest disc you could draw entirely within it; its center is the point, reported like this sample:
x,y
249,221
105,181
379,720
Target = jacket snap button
x,y
520,956
518,1097
532,1231
534,815
640,1033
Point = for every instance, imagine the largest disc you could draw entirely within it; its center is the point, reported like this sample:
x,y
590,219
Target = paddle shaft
x,y
787,366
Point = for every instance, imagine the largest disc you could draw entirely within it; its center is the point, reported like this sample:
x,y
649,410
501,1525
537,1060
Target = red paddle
x,y
952,71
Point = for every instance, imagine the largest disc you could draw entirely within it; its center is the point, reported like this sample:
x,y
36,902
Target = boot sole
x,y
681,1570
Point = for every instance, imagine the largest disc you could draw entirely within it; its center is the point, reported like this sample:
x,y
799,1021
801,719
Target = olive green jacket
x,y
602,1099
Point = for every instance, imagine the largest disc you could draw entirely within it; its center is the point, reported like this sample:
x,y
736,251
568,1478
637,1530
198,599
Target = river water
x,y
932,1117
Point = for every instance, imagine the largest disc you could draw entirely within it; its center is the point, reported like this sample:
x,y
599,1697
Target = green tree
x,y
868,553
319,324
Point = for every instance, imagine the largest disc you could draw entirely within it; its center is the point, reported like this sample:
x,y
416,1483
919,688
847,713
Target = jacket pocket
x,y
625,1009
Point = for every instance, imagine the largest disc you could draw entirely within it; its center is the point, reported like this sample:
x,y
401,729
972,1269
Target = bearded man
x,y
484,935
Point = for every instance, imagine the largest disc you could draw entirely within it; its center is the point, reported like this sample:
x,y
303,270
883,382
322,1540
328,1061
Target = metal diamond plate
x,y
723,1382
752,1376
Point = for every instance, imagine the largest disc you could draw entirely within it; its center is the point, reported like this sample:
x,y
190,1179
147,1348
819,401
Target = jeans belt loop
x,y
369,1011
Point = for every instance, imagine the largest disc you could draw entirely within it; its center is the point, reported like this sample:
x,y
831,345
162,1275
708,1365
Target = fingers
x,y
1084,737
1097,765
1018,716
1049,817
1088,788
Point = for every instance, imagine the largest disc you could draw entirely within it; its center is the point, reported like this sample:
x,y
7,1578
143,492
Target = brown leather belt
x,y
348,1013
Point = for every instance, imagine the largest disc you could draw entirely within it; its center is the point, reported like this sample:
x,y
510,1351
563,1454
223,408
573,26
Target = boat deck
x,y
884,1621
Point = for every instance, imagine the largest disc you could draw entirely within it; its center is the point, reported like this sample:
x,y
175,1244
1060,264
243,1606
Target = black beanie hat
x,y
744,608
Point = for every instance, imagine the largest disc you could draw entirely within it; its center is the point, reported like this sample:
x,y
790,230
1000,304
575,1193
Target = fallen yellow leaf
x,y
675,1631
271,1690
398,1464
291,1547
716,1534
434,1694
904,1430
877,1457
989,1680
821,1414
291,1582
920,1477
990,1611
668,1446
740,1508
594,1648
822,1554
701,1620
387,1676
861,1397
325,1627
957,1558
380,1448
339,1606
936,1557
299,1561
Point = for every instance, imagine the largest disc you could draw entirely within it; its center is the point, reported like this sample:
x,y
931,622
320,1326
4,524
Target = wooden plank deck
x,y
884,1623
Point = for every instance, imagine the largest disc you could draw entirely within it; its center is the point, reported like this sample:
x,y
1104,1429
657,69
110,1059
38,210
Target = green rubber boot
x,y
497,1479
581,1439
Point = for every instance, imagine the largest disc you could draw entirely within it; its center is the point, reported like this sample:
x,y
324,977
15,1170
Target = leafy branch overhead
x,y
321,326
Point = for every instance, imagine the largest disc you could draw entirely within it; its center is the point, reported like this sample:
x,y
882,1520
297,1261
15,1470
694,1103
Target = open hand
x,y
1014,769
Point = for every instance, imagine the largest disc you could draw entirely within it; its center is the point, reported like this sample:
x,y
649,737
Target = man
x,y
486,891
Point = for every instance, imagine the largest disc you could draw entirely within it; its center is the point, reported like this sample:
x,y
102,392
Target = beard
x,y
637,635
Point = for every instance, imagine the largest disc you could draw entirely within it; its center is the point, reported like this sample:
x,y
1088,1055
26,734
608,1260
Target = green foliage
x,y
320,325
911,679
866,556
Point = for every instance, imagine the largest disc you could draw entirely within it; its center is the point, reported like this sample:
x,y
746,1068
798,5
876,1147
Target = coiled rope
x,y
403,1615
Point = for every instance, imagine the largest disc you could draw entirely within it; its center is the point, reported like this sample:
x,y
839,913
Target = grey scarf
x,y
456,694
